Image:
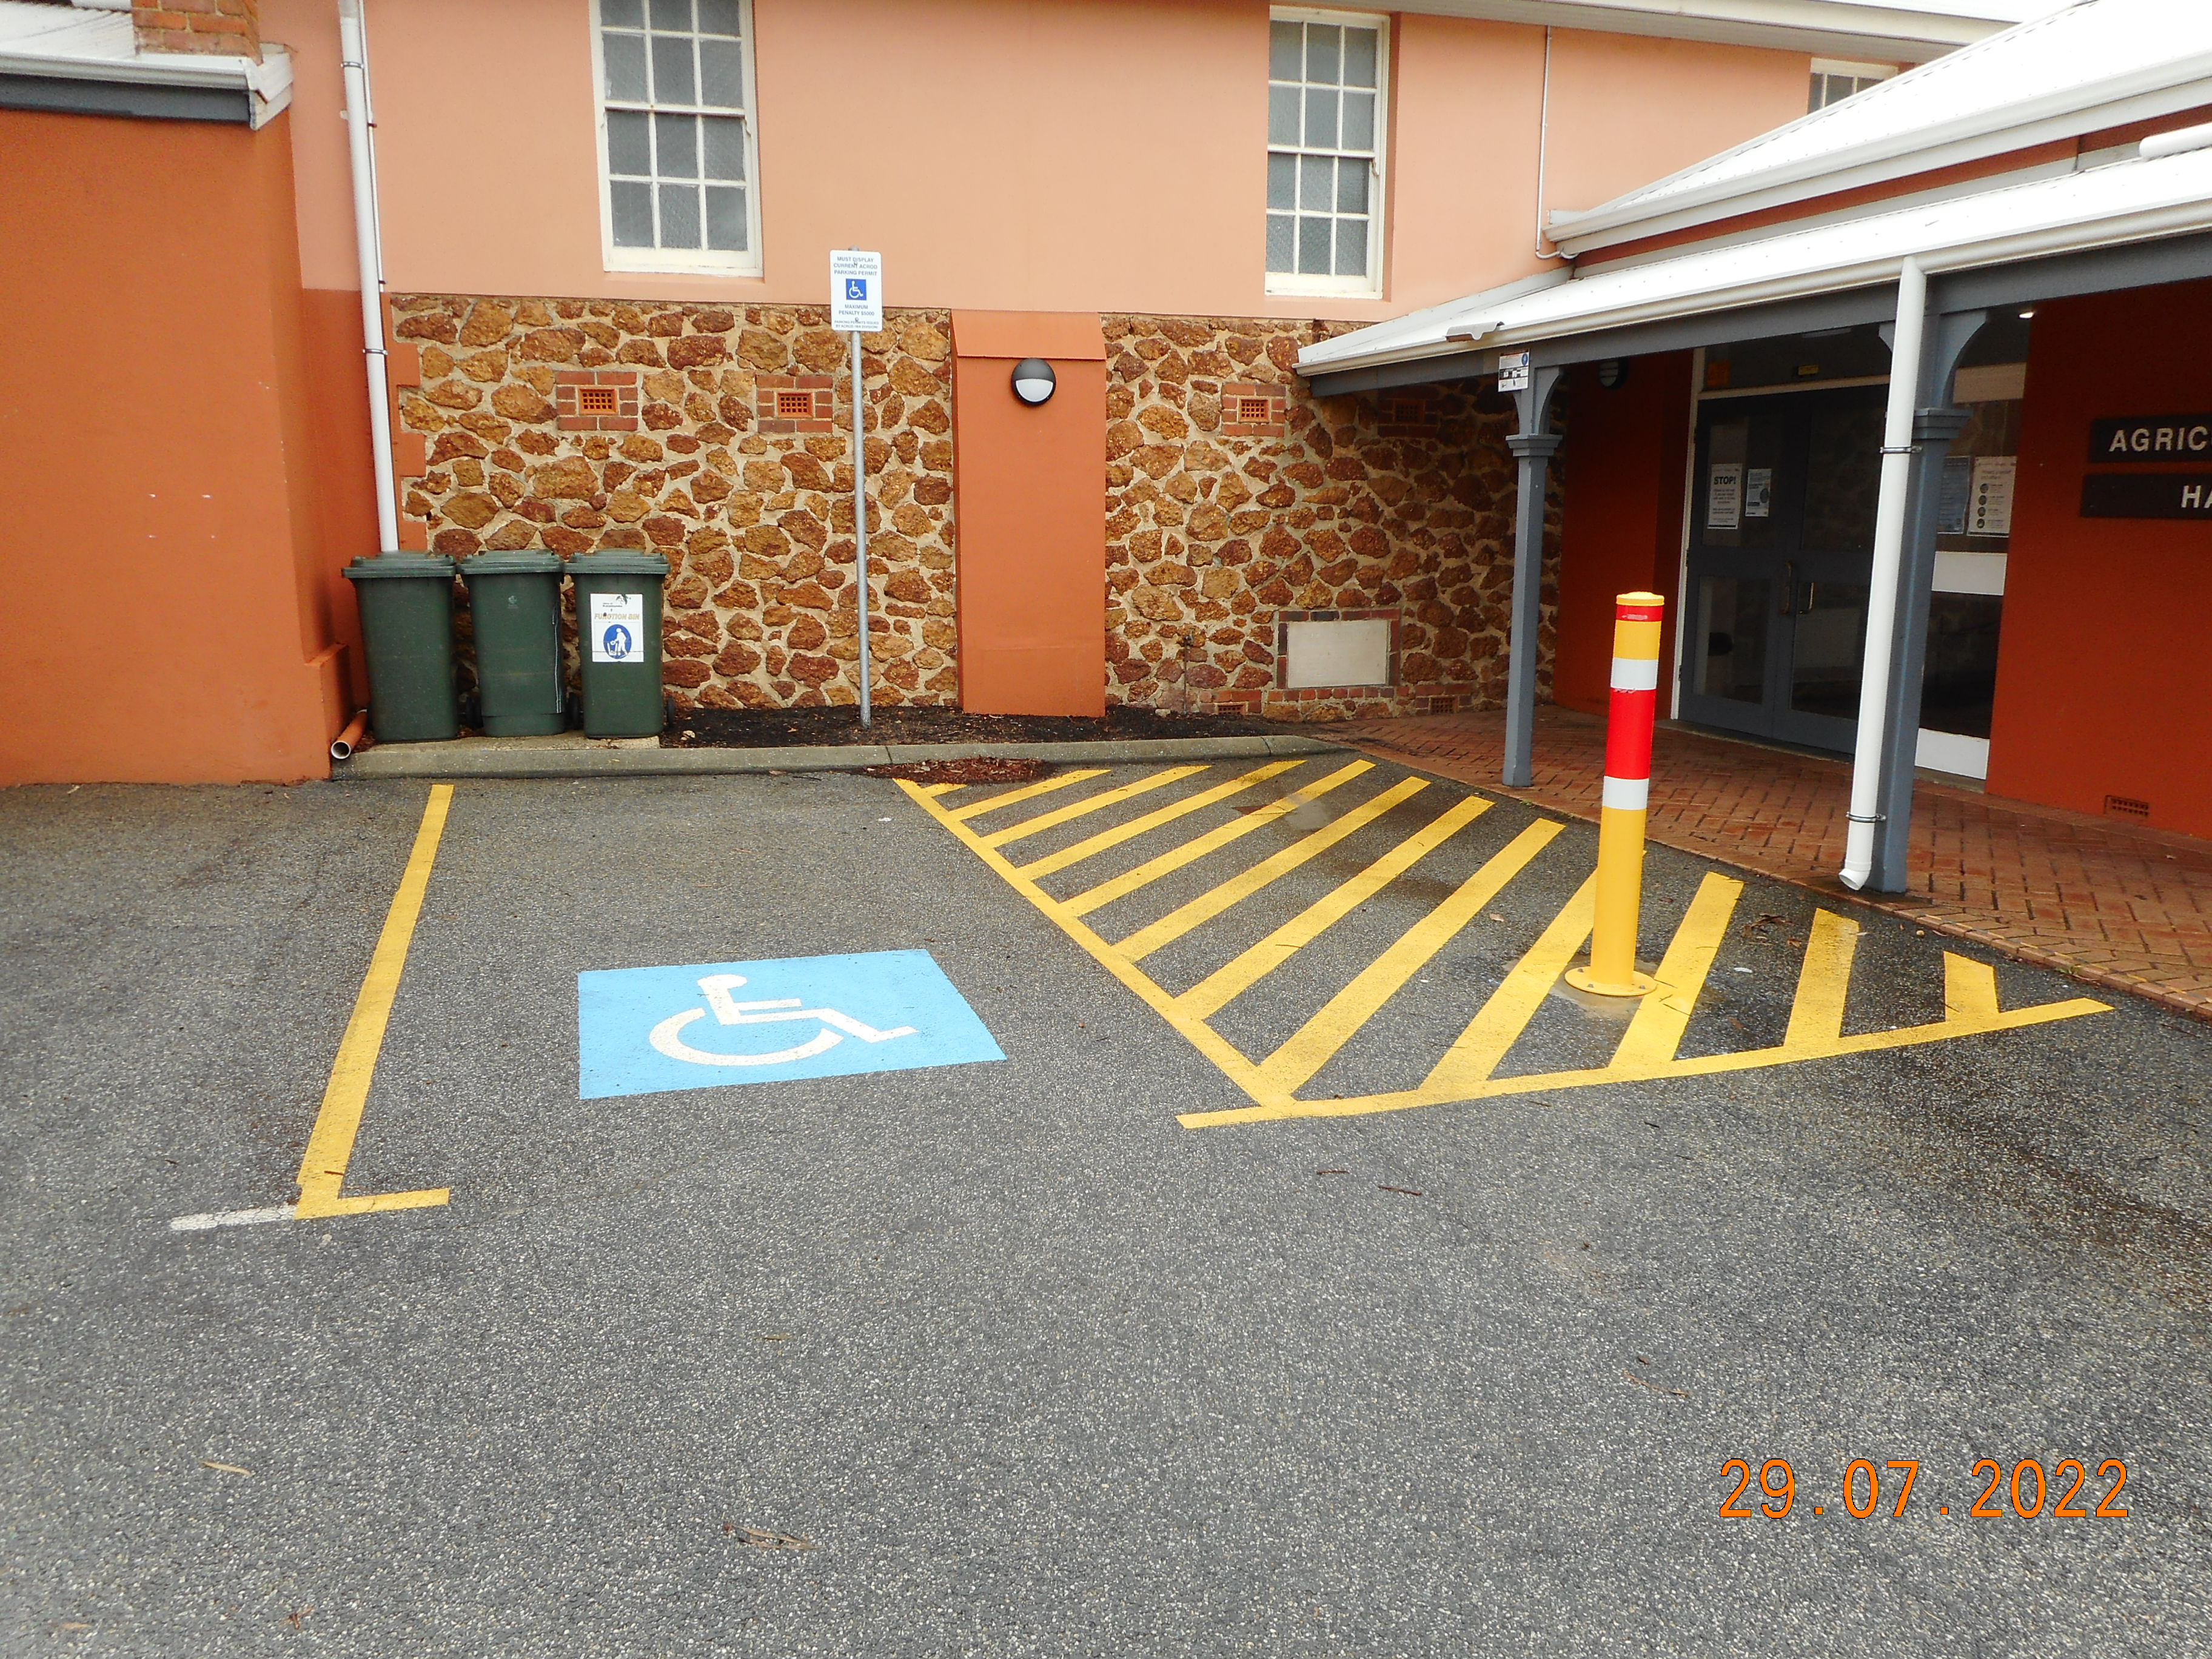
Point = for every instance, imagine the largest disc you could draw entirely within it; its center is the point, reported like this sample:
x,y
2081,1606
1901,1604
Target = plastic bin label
x,y
617,627
644,1030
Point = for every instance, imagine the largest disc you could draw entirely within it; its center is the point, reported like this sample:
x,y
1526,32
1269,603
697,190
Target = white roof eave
x,y
2128,201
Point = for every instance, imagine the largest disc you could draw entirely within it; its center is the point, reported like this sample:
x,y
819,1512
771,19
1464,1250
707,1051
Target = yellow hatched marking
x,y
1212,842
1207,905
975,809
1466,1072
1152,821
329,1144
941,789
1824,982
1472,1058
1233,979
1663,1013
1316,1042
1087,805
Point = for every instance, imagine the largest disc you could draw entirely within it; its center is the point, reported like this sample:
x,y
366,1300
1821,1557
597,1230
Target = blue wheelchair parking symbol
x,y
856,288
617,643
644,1030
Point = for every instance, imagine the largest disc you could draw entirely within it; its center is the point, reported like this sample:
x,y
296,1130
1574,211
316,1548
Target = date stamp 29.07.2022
x,y
2028,1492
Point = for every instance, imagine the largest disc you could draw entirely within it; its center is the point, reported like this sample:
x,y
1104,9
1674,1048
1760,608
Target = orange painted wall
x,y
1030,484
161,573
2106,645
1621,516
1136,184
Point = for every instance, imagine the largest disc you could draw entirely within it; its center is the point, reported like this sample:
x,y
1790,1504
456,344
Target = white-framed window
x,y
1328,114
678,156
1835,80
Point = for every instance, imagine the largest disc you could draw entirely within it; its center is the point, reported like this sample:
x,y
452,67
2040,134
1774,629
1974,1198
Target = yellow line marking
x,y
330,1144
1152,821
1472,1058
1207,905
1464,1074
1970,988
942,788
1316,1042
1234,978
975,809
1191,850
1663,1014
1824,982
1087,805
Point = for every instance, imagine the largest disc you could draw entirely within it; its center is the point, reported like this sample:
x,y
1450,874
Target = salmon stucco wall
x,y
979,196
2106,646
182,549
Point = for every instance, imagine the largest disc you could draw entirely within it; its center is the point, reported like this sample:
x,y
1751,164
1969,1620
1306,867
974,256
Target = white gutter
x,y
361,130
1888,557
267,85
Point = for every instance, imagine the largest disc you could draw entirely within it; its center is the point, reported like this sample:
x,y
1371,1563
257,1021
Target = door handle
x,y
1789,588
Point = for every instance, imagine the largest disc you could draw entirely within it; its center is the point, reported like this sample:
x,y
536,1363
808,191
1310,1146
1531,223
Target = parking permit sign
x,y
645,1031
856,291
617,626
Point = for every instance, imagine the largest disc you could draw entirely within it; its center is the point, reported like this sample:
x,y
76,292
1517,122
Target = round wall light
x,y
1613,373
1033,380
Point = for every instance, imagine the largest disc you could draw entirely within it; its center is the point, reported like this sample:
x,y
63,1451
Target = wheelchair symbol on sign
x,y
668,1036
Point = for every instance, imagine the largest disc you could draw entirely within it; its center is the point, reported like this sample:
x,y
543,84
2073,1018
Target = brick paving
x,y
2113,904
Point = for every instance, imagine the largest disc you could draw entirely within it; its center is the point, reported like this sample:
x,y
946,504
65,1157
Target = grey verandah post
x,y
1534,445
1934,427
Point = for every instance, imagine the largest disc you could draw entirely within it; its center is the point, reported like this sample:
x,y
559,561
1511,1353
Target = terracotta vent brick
x,y
2127,807
596,400
1254,411
795,403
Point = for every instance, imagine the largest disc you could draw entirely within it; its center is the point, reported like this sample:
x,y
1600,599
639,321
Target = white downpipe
x,y
360,132
1888,556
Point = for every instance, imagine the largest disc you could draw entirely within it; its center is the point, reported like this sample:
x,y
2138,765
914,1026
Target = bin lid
x,y
515,562
618,561
387,567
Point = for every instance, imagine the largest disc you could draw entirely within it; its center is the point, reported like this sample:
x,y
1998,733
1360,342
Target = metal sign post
x,y
856,305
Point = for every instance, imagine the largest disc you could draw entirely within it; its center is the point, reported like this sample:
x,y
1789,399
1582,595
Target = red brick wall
x,y
226,27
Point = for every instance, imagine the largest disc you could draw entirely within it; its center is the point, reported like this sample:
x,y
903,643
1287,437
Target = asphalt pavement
x,y
995,1356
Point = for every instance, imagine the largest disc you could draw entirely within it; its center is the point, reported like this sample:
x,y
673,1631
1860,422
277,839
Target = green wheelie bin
x,y
407,633
618,641
514,599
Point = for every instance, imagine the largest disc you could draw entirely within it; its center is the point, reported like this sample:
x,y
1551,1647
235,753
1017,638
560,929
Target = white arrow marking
x,y
667,1037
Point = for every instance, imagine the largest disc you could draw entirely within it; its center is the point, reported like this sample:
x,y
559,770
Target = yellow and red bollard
x,y
1635,706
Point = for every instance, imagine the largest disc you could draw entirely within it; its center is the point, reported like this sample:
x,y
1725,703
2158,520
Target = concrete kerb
x,y
493,757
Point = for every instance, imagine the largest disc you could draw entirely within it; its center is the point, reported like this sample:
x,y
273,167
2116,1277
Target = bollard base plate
x,y
1582,980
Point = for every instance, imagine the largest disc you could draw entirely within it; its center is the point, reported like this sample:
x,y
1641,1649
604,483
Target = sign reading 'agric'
x,y
2150,438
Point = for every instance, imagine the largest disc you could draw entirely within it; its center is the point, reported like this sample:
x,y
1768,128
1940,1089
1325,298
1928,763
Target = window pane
x,y
1282,239
679,216
1322,40
629,142
1316,181
726,221
1282,180
722,74
1313,247
1351,187
676,146
718,17
671,13
726,147
1351,247
1359,120
622,14
1285,44
633,206
625,59
1321,118
1282,115
1359,57
672,70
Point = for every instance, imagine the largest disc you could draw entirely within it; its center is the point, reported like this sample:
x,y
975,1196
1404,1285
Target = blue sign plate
x,y
645,1031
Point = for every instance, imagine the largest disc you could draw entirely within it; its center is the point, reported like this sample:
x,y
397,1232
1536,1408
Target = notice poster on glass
x,y
1759,493
1957,491
1990,512
1724,495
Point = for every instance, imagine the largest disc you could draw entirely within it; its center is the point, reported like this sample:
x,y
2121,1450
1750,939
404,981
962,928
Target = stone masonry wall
x,y
1235,500
720,437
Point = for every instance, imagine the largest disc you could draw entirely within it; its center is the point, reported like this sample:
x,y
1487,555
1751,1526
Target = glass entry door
x,y
1781,549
